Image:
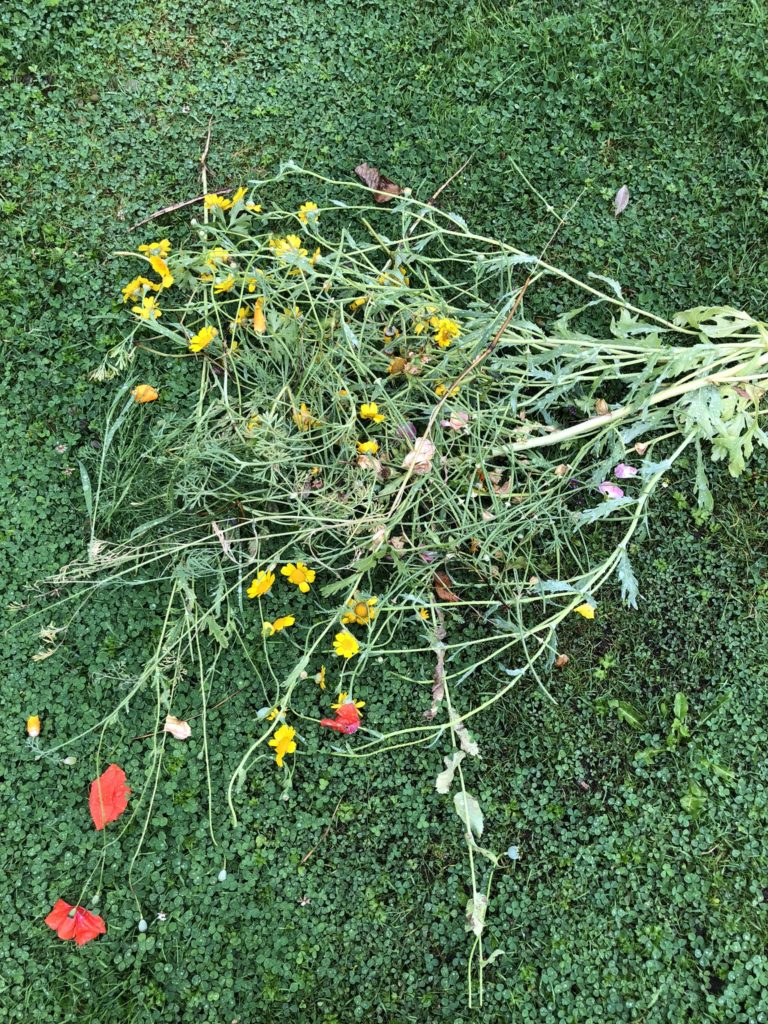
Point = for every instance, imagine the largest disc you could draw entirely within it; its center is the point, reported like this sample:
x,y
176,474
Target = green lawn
x,y
639,891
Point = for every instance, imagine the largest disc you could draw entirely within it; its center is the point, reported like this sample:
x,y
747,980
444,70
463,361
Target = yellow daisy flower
x,y
446,330
345,645
299,575
224,286
202,339
585,610
133,287
216,255
308,213
304,419
161,248
361,612
214,202
343,698
284,743
270,628
367,447
238,196
261,583
149,309
288,246
160,267
370,411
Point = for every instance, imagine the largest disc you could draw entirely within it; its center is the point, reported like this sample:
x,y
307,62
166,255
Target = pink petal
x,y
624,472
610,490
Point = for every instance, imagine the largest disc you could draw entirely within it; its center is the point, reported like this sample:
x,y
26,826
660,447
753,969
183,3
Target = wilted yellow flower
x,y
33,726
293,312
370,411
270,628
214,202
586,610
315,256
259,320
284,743
441,390
144,393
160,267
224,286
240,316
361,612
357,303
261,583
445,330
288,246
202,339
320,677
299,575
149,309
240,194
343,698
216,255
253,207
396,366
161,248
345,645
133,287
304,419
367,447
308,213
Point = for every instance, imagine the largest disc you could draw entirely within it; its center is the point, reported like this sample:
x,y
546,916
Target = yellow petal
x,y
586,610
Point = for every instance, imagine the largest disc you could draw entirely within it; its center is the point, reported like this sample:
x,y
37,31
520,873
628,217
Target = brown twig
x,y
434,196
178,206
322,838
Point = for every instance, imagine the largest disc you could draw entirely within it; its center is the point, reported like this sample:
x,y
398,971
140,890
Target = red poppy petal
x,y
109,796
58,915
66,929
349,718
332,723
88,926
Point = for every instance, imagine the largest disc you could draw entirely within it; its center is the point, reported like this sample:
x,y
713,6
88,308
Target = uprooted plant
x,y
382,445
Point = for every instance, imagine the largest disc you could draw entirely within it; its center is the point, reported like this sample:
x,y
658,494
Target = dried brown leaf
x,y
384,188
443,583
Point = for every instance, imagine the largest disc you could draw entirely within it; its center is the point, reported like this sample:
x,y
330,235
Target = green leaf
x,y
87,489
704,497
628,713
680,706
628,580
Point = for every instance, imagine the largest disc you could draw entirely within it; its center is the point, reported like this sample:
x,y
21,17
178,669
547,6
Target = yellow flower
x,y
361,612
253,207
253,422
261,583
224,286
144,393
259,320
357,303
315,256
370,411
284,743
343,698
308,213
240,316
320,677
299,575
133,287
216,255
396,366
445,330
293,312
238,196
288,246
161,248
304,419
214,202
586,610
418,328
345,645
202,339
424,613
270,628
149,309
33,726
273,714
160,267
441,390
367,447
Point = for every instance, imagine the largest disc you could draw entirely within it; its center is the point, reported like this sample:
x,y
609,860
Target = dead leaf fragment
x,y
385,188
601,407
561,660
442,583
179,729
641,447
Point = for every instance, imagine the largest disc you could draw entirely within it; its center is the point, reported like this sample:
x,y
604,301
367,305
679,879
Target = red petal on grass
x,y
347,720
109,796
88,926
82,926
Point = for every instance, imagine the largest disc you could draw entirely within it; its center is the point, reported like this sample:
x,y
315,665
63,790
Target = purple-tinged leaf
x,y
621,200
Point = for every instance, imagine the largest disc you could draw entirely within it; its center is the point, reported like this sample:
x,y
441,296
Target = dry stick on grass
x,y
323,837
179,206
